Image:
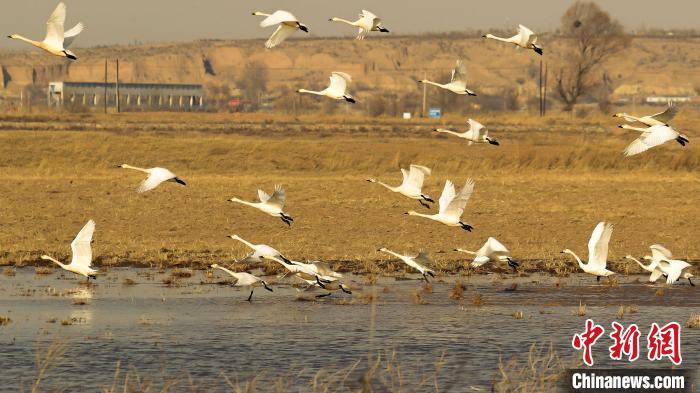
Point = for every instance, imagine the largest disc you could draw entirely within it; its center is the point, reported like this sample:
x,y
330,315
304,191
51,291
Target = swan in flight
x,y
270,204
417,262
491,251
260,251
155,177
451,206
597,251
662,263
412,184
336,90
367,22
243,279
525,39
287,22
315,274
657,119
56,41
458,82
477,133
82,253
652,137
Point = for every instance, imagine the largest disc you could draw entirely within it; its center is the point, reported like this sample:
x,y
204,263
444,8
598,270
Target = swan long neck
x,y
334,19
318,93
126,166
580,263
258,13
397,255
253,204
448,131
247,243
629,127
224,269
414,213
54,261
432,83
639,263
27,40
383,184
493,37
466,251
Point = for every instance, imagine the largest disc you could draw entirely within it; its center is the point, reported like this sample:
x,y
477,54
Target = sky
x,y
128,21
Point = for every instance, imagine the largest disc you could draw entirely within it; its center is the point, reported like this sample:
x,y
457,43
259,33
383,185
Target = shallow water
x,y
210,330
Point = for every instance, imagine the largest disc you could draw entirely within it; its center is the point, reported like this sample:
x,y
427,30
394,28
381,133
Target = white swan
x,y
412,184
336,90
658,119
270,204
451,206
477,133
525,39
260,251
243,279
155,177
597,251
314,274
458,82
662,263
417,262
491,251
367,22
56,41
652,137
287,22
82,253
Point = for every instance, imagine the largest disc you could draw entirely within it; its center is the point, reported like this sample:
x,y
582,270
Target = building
x,y
131,96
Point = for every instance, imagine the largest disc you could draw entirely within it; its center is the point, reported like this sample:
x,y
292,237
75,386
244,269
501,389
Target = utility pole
x,y
540,91
117,86
425,94
105,95
544,95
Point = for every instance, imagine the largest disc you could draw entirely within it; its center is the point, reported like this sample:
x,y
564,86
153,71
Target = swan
x,y
315,274
658,119
243,279
492,250
451,206
336,90
332,285
417,262
525,39
82,253
367,22
287,22
270,204
652,137
56,41
260,251
662,263
412,184
458,82
477,133
155,177
597,251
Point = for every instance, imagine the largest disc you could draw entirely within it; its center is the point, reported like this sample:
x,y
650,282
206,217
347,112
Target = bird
x,y
367,22
477,133
243,279
658,119
458,82
336,90
287,22
491,251
82,253
156,176
597,251
662,263
260,251
652,137
270,204
412,184
417,262
56,41
525,39
451,206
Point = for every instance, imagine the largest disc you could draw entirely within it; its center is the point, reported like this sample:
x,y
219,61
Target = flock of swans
x,y
451,203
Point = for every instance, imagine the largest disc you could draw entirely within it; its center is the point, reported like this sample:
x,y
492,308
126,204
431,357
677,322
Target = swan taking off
x,y
336,90
657,119
477,133
367,22
57,41
651,137
458,82
662,263
82,253
417,262
451,206
524,39
270,204
491,251
155,177
597,251
287,22
260,251
412,184
244,279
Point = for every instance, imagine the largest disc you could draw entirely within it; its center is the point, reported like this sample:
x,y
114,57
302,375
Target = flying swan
x,y
657,119
155,177
243,279
525,39
82,253
662,263
451,206
417,262
477,133
412,184
56,41
336,90
367,22
458,82
270,204
287,22
597,251
491,251
651,137
260,251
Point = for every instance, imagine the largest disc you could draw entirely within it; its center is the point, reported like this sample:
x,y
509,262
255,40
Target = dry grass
x,y
457,293
518,315
417,297
694,321
542,372
659,292
43,270
182,273
128,282
580,310
9,272
4,320
621,312
477,299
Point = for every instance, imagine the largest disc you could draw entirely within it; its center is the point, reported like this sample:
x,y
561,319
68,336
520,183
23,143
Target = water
x,y
204,331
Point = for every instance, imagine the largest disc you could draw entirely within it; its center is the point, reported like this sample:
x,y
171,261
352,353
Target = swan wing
x,y
339,82
668,114
54,26
277,17
448,194
493,246
282,33
423,257
659,252
475,127
416,177
527,36
653,136
456,206
155,177
598,245
655,275
69,36
81,246
459,73
244,279
278,197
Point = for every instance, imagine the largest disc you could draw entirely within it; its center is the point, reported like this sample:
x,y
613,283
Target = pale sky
x,y
126,21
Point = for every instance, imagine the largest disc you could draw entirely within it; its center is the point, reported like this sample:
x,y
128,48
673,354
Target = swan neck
x,y
580,263
27,40
343,20
224,269
126,166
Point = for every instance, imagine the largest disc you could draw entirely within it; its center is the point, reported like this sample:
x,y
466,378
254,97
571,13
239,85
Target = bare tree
x,y
253,83
594,37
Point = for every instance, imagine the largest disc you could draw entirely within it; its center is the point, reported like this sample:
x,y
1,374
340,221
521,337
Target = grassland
x,y
542,190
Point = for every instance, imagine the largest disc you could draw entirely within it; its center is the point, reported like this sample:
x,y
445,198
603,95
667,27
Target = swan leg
x,y
597,278
250,296
425,205
286,221
466,227
346,290
513,264
323,295
426,278
691,283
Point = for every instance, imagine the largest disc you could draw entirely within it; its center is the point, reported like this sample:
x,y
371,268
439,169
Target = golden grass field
x,y
539,192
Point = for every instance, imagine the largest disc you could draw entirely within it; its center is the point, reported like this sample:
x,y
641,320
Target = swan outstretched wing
x,y
54,26
667,115
492,246
277,17
527,36
278,197
659,252
475,128
415,177
69,36
281,33
81,246
155,177
423,257
455,208
339,82
448,194
653,136
598,245
654,276
459,73
244,279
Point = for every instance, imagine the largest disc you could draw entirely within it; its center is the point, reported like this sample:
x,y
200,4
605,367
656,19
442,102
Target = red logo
x,y
665,342
626,342
587,339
